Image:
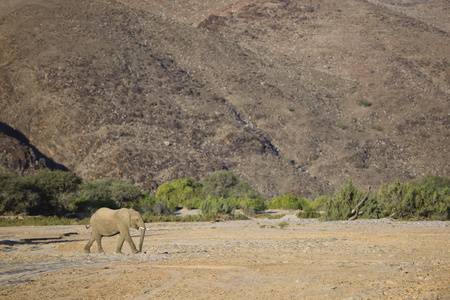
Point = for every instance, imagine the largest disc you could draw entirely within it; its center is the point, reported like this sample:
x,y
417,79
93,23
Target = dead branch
x,y
355,212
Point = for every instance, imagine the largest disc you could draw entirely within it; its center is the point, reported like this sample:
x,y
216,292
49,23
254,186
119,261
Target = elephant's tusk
x,y
142,228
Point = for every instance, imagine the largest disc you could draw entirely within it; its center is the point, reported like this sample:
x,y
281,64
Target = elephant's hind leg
x,y
87,248
98,239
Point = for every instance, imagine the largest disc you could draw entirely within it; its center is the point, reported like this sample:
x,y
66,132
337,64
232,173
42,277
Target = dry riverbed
x,y
255,259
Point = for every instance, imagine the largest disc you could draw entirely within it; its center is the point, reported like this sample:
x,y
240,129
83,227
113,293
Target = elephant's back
x,y
102,213
105,221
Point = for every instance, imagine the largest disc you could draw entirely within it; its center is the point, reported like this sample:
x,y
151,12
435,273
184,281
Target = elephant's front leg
x,y
126,236
120,244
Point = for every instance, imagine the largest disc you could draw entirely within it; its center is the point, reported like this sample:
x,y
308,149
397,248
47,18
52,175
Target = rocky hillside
x,y
294,96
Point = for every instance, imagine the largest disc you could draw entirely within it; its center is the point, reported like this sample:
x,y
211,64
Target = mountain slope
x,y
268,89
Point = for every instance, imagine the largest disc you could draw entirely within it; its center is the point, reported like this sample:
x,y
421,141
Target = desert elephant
x,y
109,222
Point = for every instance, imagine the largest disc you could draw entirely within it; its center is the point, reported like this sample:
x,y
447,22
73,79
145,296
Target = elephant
x,y
110,222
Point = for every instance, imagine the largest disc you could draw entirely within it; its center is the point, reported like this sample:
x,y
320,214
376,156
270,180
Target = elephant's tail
x,y
88,226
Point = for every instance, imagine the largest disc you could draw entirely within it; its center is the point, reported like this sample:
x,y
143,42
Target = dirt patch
x,y
229,260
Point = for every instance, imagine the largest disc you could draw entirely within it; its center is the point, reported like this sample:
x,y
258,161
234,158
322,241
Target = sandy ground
x,y
256,259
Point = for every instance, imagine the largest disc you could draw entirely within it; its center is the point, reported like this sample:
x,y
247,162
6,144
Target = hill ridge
x,y
135,90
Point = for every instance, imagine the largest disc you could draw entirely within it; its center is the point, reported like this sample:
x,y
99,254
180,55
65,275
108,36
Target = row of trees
x,y
58,193
427,198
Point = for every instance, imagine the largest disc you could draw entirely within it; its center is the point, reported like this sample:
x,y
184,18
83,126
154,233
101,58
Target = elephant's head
x,y
134,220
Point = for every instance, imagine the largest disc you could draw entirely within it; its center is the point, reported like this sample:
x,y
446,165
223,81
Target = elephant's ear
x,y
124,216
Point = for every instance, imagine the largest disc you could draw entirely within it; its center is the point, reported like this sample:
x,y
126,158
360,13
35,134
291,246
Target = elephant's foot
x,y
86,251
136,251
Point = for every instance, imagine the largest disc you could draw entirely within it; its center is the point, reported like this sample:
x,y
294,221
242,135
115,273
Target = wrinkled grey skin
x,y
109,222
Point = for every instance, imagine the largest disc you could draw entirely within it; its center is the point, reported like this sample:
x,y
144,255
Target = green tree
x,y
225,184
50,186
15,195
180,192
107,192
219,184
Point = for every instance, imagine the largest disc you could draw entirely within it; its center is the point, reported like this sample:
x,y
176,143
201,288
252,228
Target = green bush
x,y
424,199
218,206
219,184
376,127
287,201
90,206
194,203
124,192
144,204
252,205
371,208
50,186
225,184
283,224
161,209
314,209
245,190
428,198
55,192
40,193
96,192
180,192
152,205
363,102
15,195
240,217
433,182
339,207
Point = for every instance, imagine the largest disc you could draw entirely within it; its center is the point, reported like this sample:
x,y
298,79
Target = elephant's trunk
x,y
141,241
